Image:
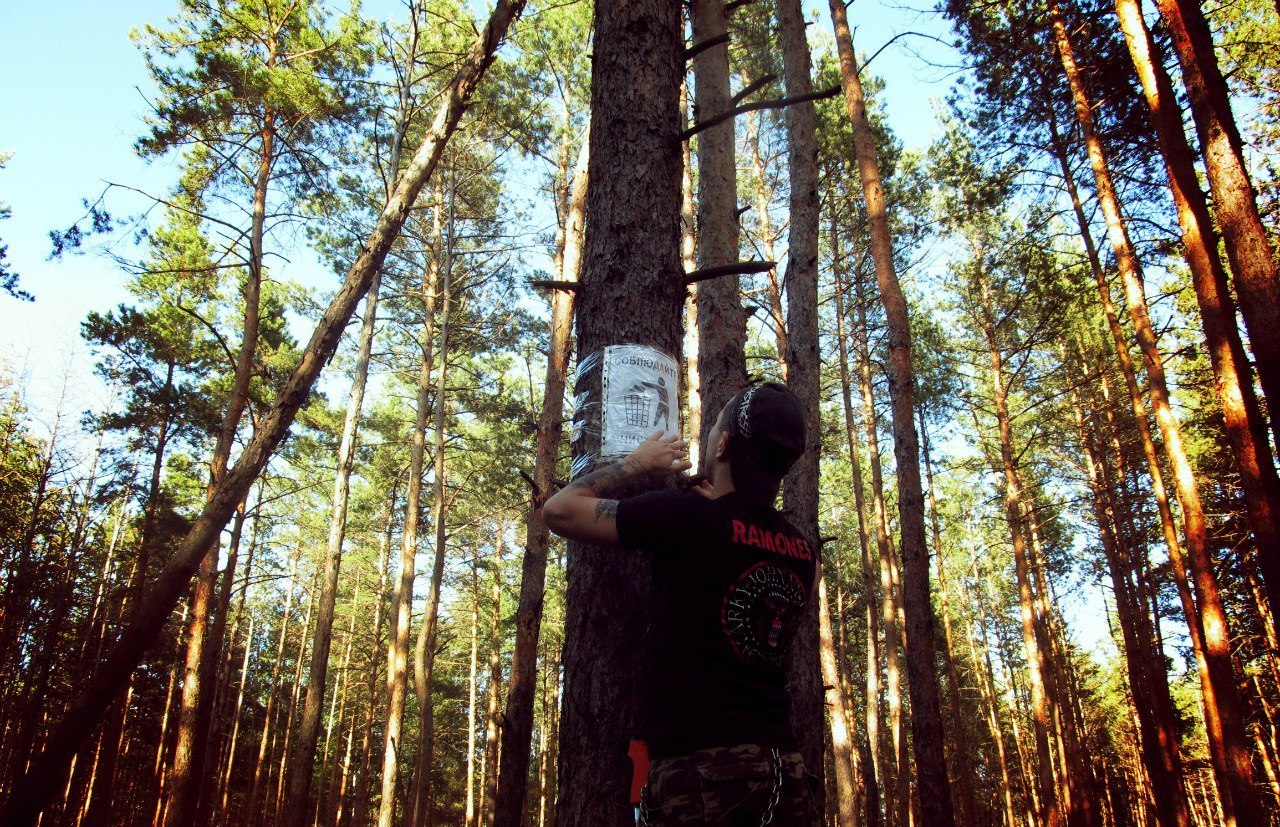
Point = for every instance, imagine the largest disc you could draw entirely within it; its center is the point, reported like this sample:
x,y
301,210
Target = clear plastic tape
x,y
639,394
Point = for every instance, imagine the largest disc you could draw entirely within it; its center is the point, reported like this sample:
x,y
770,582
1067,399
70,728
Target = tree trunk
x,y
963,759
871,685
402,602
1033,644
513,777
722,321
803,364
926,712
259,779
47,773
632,291
841,742
425,654
1228,746
493,714
1158,737
893,765
309,730
470,762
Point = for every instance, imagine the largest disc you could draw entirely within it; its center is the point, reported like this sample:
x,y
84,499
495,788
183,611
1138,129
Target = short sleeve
x,y
652,521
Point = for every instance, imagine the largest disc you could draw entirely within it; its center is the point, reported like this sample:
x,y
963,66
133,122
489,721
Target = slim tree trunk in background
x,y
402,602
722,321
871,685
632,291
304,755
841,740
425,655
1245,424
1228,746
963,760
926,712
517,733
893,765
470,762
1159,741
48,772
1037,658
1235,201
259,769
493,714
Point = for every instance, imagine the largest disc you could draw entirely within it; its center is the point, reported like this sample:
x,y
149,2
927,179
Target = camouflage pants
x,y
742,786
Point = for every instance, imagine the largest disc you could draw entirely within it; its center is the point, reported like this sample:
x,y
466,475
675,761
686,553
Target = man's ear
x,y
723,448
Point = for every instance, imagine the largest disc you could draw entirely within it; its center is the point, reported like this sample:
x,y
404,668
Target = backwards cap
x,y
769,419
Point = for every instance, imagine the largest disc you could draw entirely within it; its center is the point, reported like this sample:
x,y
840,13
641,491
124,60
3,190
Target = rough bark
x,y
48,771
632,290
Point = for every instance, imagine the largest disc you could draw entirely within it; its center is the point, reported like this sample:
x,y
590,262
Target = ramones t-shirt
x,y
730,583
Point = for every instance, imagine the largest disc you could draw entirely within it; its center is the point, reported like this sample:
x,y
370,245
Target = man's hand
x,y
660,454
582,511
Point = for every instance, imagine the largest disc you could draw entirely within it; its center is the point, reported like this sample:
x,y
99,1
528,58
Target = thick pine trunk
x,y
632,290
48,772
926,712
1224,719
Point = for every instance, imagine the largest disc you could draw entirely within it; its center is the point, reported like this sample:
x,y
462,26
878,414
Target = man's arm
x,y
583,510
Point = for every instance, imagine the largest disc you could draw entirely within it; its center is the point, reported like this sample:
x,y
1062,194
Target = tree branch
x,y
753,87
734,269
779,103
702,45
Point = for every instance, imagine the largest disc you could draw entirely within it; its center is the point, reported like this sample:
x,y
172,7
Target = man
x,y
731,578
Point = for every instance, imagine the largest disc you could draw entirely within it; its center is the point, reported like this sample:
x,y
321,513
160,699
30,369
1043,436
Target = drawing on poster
x,y
640,386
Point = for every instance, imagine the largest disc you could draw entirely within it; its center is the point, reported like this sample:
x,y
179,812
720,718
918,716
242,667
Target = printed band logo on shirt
x,y
788,546
760,613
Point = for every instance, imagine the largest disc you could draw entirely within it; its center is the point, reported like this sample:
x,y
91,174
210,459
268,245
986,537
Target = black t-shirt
x,y
730,584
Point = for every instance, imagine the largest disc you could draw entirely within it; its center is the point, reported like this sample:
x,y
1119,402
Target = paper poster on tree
x,y
640,389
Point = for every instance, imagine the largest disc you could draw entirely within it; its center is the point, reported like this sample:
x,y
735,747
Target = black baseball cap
x,y
769,419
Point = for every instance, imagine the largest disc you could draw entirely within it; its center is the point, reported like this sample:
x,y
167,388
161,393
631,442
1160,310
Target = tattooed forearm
x,y
606,509
607,480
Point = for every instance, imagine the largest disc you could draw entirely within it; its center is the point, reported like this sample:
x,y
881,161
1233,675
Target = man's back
x,y
730,583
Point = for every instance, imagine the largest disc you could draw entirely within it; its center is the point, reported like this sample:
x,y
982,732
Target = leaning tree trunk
x,y
517,732
721,319
632,290
47,772
926,709
1229,749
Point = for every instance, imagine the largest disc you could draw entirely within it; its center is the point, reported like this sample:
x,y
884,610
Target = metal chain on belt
x,y
776,794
